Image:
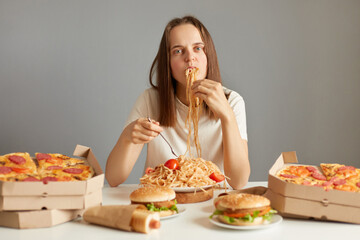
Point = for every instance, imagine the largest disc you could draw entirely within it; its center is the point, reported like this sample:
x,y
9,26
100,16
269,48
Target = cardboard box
x,y
37,219
55,195
302,201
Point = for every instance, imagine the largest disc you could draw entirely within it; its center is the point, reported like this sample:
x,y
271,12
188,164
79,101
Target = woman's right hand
x,y
142,131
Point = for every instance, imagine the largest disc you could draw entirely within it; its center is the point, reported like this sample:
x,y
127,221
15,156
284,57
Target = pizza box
x,y
302,201
12,203
51,195
37,218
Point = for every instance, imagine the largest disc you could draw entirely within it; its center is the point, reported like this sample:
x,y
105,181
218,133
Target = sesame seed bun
x,y
152,194
240,201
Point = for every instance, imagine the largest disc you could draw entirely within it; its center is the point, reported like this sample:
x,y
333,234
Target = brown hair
x,y
165,83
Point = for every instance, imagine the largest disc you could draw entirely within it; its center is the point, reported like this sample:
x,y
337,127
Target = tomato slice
x,y
149,170
172,164
20,170
56,161
241,215
217,177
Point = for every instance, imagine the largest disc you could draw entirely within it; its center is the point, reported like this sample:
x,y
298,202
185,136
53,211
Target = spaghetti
x,y
194,111
192,173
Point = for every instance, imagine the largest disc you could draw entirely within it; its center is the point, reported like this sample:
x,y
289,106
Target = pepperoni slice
x,y
346,168
358,184
311,169
307,183
42,156
54,168
339,182
17,159
49,179
73,170
5,170
288,176
327,183
31,179
318,176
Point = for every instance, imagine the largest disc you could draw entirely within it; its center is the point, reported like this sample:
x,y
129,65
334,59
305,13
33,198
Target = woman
x,y
185,43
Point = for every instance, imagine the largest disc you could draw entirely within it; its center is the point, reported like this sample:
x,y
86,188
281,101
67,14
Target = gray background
x,y
70,72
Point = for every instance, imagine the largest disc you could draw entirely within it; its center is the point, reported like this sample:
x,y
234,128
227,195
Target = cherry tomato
x,y
172,164
149,170
217,177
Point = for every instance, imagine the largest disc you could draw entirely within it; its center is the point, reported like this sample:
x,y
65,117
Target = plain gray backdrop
x,y
70,72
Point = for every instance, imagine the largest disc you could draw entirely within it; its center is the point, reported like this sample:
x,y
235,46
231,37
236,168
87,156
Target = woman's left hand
x,y
213,94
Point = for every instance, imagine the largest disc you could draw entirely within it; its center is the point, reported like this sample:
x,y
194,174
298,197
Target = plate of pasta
x,y
191,189
190,174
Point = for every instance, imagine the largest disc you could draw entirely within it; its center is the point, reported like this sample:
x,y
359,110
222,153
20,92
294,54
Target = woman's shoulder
x,y
233,95
149,93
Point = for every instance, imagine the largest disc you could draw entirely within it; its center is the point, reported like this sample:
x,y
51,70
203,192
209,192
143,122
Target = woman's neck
x,y
181,94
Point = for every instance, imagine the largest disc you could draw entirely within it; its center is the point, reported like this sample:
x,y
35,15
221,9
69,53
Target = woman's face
x,y
186,50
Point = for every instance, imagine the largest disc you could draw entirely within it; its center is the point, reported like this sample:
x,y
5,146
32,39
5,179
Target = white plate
x,y
190,189
180,211
276,219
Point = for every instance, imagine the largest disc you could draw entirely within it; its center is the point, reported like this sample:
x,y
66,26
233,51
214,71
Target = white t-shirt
x,y
209,130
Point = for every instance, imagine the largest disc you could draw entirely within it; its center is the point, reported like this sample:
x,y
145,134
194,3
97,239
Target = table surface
x,y
194,223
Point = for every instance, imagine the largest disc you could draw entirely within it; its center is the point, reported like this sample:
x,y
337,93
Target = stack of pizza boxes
x,y
38,204
300,201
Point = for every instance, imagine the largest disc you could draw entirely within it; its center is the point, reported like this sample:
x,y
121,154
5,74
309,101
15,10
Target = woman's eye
x,y
177,51
198,48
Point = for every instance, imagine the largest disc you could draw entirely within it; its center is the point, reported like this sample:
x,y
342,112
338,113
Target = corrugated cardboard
x,y
308,201
11,203
37,219
59,195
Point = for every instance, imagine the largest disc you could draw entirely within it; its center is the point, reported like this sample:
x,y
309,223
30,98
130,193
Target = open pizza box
x,y
302,201
55,195
37,218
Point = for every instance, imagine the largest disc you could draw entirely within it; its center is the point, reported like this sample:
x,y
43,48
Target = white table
x,y
192,224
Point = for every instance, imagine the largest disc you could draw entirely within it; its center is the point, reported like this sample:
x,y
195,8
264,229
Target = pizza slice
x,y
303,175
339,171
53,161
78,172
20,162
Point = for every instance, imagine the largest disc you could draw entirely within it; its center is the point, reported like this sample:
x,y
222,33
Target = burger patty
x,y
247,210
167,204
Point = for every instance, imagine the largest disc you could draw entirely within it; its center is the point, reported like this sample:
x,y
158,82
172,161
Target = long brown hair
x,y
165,83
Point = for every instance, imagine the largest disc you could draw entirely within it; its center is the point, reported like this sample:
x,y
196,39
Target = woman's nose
x,y
190,56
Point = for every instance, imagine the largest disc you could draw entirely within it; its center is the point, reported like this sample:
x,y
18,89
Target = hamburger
x,y
156,199
243,209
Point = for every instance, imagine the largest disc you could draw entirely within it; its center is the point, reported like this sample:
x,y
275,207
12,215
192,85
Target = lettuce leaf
x,y
247,218
151,207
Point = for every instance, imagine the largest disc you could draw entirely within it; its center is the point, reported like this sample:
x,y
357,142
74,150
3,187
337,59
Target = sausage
x,y
54,167
154,224
17,159
73,170
5,170
42,156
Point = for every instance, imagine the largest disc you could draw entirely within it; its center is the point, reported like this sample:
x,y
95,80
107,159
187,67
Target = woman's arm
x,y
236,160
127,149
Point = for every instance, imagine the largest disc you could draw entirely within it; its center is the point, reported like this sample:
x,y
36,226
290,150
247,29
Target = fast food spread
x,y
328,176
45,167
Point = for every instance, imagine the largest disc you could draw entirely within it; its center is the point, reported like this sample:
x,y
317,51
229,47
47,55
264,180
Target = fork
x,y
172,150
